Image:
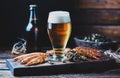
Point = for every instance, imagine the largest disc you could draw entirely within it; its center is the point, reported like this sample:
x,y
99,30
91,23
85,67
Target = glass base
x,y
58,58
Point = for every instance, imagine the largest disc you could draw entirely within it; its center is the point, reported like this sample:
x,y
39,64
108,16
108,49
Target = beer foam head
x,y
59,17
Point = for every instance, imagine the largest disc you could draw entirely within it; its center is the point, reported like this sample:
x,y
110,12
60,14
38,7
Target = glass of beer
x,y
59,30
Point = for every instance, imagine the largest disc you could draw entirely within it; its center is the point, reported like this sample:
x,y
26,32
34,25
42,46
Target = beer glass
x,y
59,30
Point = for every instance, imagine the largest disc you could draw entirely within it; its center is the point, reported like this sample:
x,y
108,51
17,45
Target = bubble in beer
x,y
59,17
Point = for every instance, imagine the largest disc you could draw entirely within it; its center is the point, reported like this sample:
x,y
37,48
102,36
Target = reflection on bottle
x,y
28,28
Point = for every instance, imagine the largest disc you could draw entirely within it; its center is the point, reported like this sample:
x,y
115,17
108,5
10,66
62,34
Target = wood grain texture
x,y
114,73
3,66
18,69
110,31
7,74
97,4
96,17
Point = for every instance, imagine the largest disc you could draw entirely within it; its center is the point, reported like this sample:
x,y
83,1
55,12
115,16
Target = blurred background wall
x,y
14,17
88,16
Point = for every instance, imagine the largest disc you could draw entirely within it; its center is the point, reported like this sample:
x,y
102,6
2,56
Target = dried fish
x,y
31,58
19,47
34,61
114,54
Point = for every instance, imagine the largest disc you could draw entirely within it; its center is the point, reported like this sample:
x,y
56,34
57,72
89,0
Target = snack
x,y
36,60
113,54
97,38
31,58
76,54
21,57
83,54
19,47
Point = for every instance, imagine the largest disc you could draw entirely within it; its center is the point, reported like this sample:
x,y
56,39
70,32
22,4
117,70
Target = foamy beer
x,y
59,30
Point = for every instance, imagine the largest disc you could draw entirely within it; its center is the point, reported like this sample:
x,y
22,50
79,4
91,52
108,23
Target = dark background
x,y
88,16
14,17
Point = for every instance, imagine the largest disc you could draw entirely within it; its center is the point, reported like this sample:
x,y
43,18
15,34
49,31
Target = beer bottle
x,y
32,31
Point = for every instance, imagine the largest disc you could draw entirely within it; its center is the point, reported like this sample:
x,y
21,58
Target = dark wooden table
x,y
5,72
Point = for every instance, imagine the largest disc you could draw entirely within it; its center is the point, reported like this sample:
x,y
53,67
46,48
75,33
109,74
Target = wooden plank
x,y
18,69
97,4
2,60
98,17
3,66
6,74
110,31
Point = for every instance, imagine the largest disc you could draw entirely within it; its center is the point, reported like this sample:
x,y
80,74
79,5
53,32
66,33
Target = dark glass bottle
x,y
32,31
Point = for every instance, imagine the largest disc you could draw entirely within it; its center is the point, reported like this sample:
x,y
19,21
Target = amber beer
x,y
59,30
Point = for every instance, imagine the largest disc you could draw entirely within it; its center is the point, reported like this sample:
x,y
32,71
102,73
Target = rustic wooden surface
x,y
95,17
5,72
98,4
98,12
110,31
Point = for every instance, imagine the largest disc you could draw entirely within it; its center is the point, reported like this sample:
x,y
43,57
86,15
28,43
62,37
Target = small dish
x,y
113,45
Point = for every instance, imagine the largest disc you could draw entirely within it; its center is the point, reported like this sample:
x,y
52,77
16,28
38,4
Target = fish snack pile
x,y
77,54
83,54
31,58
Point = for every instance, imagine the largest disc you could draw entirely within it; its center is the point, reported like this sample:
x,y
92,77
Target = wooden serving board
x,y
18,69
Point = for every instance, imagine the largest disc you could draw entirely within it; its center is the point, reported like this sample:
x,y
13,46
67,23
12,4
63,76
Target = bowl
x,y
113,45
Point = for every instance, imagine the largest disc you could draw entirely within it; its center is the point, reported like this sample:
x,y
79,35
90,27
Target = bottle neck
x,y
33,17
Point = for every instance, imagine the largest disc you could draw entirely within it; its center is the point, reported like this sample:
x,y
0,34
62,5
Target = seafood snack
x,y
84,54
77,54
31,58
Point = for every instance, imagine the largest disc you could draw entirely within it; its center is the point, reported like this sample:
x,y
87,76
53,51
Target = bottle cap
x,y
32,5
